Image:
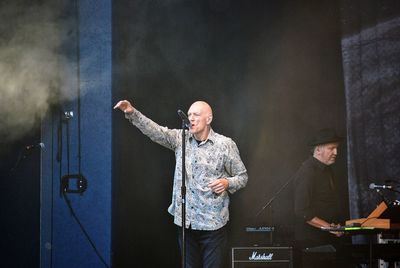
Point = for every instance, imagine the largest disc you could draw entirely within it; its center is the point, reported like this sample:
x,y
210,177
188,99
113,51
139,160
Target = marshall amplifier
x,y
257,257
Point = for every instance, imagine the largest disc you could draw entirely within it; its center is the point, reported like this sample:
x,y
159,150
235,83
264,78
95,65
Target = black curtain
x,y
371,63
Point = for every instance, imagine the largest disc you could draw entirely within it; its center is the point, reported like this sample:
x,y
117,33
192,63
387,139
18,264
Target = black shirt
x,y
315,196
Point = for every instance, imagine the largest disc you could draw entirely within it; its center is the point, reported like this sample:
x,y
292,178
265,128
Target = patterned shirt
x,y
216,157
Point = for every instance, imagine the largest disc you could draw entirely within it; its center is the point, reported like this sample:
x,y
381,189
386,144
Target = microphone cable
x,y
64,192
68,201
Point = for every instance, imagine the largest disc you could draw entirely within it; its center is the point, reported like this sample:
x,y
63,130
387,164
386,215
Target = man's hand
x,y
219,186
337,233
125,106
319,223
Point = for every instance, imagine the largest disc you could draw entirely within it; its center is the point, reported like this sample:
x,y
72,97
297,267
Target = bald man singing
x,y
214,170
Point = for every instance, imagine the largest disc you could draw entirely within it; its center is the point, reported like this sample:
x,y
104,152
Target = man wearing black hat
x,y
316,198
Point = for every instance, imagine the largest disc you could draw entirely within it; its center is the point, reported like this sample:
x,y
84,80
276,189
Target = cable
x,y
78,86
67,200
64,193
52,185
68,145
83,229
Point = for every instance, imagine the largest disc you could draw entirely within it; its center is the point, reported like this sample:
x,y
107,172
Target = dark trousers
x,y
204,249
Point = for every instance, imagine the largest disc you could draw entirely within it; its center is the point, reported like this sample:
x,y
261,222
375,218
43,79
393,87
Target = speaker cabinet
x,y
258,257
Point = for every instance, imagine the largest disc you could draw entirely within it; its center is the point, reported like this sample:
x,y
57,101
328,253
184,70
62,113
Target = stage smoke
x,y
33,74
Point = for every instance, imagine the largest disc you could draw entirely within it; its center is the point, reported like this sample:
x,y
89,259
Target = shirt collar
x,y
319,164
211,136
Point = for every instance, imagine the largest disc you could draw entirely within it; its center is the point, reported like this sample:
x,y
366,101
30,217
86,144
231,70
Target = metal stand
x,y
270,205
183,194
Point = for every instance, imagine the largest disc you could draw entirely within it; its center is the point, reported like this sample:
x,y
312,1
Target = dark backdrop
x,y
20,201
272,72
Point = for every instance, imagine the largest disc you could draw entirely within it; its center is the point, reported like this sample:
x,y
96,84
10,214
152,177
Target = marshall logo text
x,y
261,257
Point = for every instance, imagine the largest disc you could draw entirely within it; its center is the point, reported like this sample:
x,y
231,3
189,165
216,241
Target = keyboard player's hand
x,y
336,233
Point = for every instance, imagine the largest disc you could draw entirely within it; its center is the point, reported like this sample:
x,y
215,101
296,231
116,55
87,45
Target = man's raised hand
x,y
125,106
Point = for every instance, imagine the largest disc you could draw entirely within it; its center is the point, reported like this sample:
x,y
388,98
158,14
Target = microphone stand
x,y
269,203
378,191
21,156
394,190
183,194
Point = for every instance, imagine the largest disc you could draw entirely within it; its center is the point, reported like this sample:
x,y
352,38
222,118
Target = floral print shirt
x,y
216,157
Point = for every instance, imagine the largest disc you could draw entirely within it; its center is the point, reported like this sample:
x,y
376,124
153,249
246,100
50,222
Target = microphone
x,y
377,186
185,119
33,146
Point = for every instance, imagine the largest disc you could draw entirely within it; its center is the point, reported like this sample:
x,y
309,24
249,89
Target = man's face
x,y
200,116
326,153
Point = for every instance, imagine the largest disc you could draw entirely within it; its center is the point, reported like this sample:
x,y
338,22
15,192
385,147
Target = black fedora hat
x,y
325,135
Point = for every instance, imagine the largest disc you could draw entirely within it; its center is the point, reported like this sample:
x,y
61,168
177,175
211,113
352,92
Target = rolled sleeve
x,y
235,168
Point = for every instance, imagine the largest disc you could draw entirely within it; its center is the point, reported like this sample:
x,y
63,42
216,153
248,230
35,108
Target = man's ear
x,y
318,149
314,150
209,120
